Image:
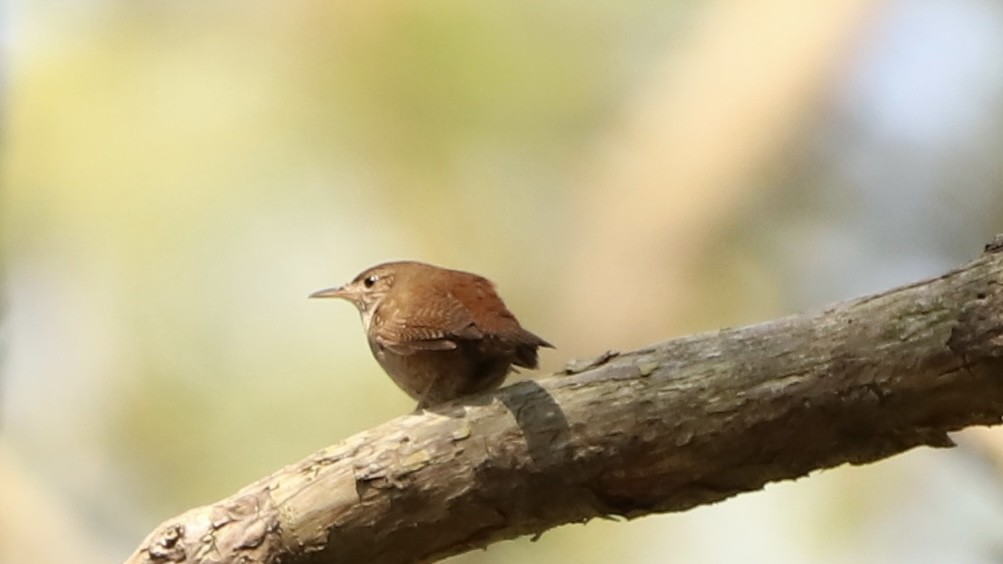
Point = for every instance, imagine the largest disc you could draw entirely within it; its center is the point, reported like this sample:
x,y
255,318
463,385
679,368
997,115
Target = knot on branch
x,y
994,246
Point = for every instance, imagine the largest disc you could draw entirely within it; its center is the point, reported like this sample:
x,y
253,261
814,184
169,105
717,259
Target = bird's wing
x,y
490,314
424,324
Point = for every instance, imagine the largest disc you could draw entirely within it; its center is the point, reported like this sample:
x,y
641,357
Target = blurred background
x,y
178,176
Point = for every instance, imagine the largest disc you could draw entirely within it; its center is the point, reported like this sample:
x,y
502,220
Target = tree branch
x,y
686,422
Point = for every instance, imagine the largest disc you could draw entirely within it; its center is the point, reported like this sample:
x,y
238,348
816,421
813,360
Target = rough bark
x,y
686,422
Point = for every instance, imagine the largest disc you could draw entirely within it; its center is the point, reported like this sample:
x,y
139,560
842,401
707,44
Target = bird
x,y
440,334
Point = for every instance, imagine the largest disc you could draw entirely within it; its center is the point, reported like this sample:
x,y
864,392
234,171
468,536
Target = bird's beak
x,y
337,292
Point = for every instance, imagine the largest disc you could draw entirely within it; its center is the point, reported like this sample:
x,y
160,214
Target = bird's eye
x,y
370,280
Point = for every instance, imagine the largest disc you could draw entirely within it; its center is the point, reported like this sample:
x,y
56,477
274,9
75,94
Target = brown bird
x,y
440,334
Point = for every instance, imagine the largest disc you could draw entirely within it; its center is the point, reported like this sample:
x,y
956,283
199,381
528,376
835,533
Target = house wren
x,y
440,334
